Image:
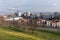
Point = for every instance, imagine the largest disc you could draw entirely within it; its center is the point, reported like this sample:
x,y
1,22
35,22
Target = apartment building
x,y
48,23
43,23
54,24
39,22
58,23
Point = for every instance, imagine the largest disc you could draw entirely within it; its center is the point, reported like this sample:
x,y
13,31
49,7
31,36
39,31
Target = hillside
x,y
12,35
8,34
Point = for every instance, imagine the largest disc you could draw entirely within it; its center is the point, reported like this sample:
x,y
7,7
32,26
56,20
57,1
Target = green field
x,y
9,34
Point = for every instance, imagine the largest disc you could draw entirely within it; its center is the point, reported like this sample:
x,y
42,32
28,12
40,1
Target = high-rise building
x,y
28,13
19,14
16,14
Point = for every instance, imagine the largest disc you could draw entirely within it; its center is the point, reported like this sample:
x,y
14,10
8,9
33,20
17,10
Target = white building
x,y
19,13
39,22
48,23
38,15
58,24
8,19
43,21
5,16
54,24
28,13
14,18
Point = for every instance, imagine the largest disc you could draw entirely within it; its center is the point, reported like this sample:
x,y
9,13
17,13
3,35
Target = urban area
x,y
38,20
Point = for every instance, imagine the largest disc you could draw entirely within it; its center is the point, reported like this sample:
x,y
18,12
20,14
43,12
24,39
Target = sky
x,y
30,5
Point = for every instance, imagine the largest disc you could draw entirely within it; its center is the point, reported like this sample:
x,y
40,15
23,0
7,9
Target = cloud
x,y
30,4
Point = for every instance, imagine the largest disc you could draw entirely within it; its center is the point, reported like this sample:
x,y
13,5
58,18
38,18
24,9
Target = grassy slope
x,y
6,34
11,35
45,35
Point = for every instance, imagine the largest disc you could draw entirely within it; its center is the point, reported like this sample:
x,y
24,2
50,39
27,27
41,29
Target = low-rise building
x,y
48,23
58,23
14,18
43,23
54,24
39,22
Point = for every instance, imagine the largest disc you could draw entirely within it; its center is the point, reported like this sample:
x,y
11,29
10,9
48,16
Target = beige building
x,y
58,23
54,24
39,22
43,21
48,23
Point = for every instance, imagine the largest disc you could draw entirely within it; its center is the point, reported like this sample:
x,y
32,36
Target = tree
x,y
2,21
33,23
15,24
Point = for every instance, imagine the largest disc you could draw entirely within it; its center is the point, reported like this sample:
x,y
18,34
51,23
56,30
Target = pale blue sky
x,y
31,5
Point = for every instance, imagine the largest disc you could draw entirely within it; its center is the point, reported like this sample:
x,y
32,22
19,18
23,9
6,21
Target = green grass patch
x,y
13,35
24,34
